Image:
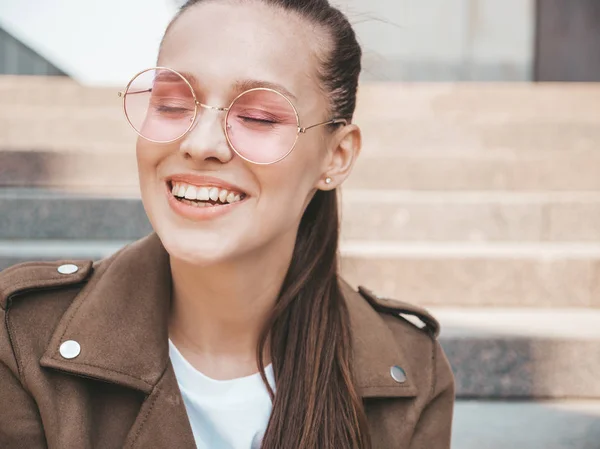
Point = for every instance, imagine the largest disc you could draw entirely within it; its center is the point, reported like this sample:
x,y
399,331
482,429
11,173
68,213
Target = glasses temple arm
x,y
122,93
329,122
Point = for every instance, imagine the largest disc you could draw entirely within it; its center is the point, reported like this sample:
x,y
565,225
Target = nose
x,y
206,140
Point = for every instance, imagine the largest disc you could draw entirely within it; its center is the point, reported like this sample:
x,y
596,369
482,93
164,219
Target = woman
x,y
229,326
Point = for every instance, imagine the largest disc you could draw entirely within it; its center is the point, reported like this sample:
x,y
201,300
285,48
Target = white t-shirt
x,y
224,414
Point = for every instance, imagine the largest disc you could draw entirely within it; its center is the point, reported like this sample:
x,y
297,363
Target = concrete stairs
x,y
481,202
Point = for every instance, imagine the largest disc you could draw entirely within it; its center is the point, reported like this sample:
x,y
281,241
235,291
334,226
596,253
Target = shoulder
x,y
33,298
411,314
413,333
41,276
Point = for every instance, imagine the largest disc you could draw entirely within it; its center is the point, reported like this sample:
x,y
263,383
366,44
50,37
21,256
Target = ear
x,y
344,149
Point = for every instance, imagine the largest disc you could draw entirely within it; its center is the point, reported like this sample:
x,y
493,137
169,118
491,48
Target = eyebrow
x,y
243,85
246,84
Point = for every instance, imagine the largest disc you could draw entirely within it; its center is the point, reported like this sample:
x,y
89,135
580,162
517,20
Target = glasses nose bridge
x,y
198,117
214,108
205,106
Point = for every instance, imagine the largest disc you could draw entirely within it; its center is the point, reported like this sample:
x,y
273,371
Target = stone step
x,y
44,214
402,171
480,102
478,274
97,170
60,128
367,215
499,136
537,171
522,352
388,215
526,425
92,171
438,274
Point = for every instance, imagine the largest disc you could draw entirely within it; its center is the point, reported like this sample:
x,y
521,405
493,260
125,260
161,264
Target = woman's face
x,y
223,44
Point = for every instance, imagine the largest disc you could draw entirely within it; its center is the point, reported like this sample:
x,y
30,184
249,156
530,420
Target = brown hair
x,y
317,405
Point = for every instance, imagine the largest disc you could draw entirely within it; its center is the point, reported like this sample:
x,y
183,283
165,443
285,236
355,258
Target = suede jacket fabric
x,y
117,388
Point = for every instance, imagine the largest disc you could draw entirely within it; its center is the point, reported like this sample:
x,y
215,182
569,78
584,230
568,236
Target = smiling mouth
x,y
204,196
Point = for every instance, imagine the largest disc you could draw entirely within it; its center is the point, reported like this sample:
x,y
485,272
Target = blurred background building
x,y
409,40
478,199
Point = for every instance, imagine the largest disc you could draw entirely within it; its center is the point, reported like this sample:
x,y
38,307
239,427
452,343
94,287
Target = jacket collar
x,y
120,320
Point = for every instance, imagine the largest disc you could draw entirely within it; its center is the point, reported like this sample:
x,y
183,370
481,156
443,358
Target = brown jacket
x,y
120,391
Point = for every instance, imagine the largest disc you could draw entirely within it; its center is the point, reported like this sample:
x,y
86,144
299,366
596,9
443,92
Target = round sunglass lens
x,y
262,126
160,105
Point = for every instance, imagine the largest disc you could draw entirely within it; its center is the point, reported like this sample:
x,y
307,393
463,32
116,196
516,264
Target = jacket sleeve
x,y
434,428
20,423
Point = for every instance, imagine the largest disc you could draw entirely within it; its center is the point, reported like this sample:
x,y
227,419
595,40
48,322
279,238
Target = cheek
x,y
300,169
289,184
149,157
144,154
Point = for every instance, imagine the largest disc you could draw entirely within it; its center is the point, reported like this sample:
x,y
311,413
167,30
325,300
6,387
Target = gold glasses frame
x,y
197,104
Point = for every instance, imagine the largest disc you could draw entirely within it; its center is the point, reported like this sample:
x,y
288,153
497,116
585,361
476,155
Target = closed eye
x,y
257,120
170,109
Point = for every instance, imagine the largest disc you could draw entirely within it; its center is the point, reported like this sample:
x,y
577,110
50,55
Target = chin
x,y
197,247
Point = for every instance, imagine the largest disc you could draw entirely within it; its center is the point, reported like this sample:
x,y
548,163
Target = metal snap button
x,y
70,349
398,374
68,269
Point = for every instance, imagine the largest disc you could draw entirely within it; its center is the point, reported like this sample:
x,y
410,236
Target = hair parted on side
x,y
317,404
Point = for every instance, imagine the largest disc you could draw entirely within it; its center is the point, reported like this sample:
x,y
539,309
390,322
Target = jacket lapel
x,y
162,421
120,320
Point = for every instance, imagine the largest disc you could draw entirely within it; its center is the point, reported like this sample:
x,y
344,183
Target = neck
x,y
219,310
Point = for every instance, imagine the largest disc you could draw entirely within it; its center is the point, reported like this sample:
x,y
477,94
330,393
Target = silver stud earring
x,y
328,180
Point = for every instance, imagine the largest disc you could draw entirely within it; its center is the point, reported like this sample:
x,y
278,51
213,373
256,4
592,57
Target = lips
x,y
199,211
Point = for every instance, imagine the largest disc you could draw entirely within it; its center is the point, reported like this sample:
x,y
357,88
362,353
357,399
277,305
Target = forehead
x,y
221,43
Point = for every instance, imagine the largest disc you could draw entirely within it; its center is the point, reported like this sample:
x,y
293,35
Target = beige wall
x,y
445,39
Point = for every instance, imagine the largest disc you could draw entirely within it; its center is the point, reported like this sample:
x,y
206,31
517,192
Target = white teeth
x,y
175,189
203,194
223,196
196,203
190,194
